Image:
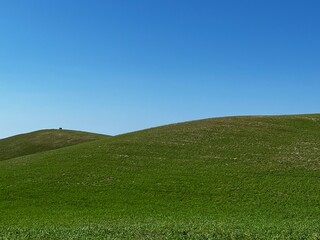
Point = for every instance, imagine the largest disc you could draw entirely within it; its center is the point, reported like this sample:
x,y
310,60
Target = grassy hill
x,y
222,178
42,140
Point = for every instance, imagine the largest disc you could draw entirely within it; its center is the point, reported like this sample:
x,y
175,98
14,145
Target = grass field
x,y
222,178
43,140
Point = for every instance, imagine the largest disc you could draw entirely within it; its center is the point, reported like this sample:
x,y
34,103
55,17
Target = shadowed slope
x,y
42,140
223,178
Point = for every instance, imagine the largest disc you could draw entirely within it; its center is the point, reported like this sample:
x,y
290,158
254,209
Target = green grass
x,y
223,178
43,140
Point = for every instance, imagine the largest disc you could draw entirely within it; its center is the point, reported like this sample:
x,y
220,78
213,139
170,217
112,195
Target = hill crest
x,y
43,140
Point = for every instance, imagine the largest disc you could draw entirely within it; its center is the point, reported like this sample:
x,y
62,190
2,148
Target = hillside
x,y
43,140
222,178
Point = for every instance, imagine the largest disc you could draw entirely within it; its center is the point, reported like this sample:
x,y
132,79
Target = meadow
x,y
221,178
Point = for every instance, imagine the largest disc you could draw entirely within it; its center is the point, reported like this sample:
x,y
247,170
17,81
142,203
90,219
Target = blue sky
x,y
119,66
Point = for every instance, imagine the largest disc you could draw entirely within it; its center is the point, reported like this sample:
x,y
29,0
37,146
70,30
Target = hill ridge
x,y
42,140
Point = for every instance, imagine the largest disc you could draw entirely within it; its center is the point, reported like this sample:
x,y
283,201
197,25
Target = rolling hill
x,y
43,140
221,178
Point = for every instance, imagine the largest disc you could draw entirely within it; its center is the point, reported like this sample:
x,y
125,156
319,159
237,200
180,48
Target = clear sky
x,y
118,66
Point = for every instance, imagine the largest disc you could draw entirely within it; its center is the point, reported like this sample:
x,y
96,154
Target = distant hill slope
x,y
42,140
222,178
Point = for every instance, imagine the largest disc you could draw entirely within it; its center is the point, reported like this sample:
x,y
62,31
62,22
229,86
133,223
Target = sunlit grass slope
x,y
43,140
223,178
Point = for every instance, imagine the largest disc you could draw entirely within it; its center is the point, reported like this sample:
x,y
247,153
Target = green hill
x,y
43,140
223,178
